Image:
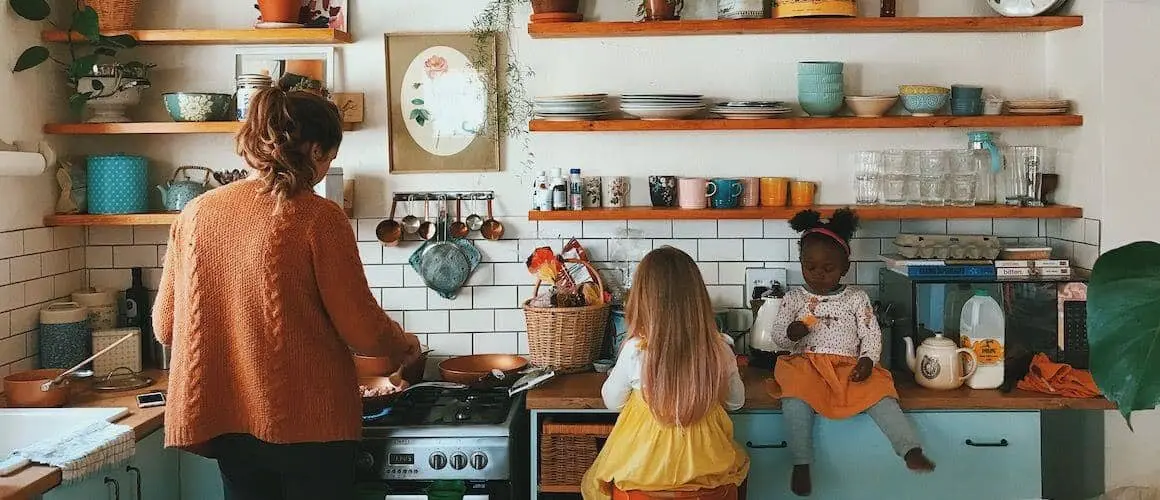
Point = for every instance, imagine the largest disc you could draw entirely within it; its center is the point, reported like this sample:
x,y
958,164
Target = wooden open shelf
x,y
805,123
871,212
291,36
805,25
230,127
150,219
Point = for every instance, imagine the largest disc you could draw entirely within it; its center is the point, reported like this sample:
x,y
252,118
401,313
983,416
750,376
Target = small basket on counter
x,y
567,450
567,339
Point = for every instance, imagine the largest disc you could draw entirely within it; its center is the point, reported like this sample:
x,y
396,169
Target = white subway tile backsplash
x,y
98,257
740,229
68,237
11,296
867,272
482,320
399,254
38,240
730,296
32,342
1053,228
110,235
510,319
694,229
426,321
526,247
495,297
779,229
150,235
605,229
597,249
709,272
1061,249
366,229
135,256
370,252
864,249
404,299
13,349
687,246
484,275
26,267
650,229
39,290
936,226
877,229
450,344
733,273
517,228
397,317
462,300
55,262
384,276
5,271
766,250
969,226
720,250
560,230
411,278
5,325
499,251
1085,255
26,318
495,343
76,259
1091,231
523,347
11,244
512,274
1073,229
1017,227
628,250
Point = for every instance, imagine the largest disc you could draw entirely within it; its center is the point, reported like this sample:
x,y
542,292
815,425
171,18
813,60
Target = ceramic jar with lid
x,y
117,184
64,335
102,306
248,85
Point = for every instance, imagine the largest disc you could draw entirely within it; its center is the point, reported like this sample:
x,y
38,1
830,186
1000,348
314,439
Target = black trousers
x,y
253,469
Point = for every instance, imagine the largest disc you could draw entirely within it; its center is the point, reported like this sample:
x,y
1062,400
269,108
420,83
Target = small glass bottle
x,y
559,191
888,8
575,190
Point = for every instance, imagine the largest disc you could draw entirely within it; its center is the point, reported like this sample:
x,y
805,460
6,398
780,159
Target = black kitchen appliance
x,y
430,434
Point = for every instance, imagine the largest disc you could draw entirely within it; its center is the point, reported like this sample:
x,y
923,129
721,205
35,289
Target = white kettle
x,y
761,334
937,363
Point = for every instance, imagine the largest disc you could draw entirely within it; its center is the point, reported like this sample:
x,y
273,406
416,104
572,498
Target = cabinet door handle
x,y
749,444
116,487
136,475
1002,443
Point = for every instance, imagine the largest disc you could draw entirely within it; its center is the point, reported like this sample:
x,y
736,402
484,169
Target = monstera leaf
x,y
1124,326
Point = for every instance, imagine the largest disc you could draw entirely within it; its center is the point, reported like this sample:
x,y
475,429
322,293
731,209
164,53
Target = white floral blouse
x,y
845,325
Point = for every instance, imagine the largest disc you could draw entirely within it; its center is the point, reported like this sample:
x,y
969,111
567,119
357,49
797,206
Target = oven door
x,y
417,490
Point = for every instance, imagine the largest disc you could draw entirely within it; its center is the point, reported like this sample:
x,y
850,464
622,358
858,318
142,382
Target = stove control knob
x,y
437,461
458,461
478,461
365,461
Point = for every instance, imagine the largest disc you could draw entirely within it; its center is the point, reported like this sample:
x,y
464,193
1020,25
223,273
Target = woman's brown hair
x,y
279,136
684,355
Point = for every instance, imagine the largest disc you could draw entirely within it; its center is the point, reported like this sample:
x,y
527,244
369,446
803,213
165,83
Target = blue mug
x,y
728,193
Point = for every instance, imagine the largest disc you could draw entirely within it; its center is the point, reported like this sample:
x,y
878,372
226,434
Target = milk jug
x,y
981,329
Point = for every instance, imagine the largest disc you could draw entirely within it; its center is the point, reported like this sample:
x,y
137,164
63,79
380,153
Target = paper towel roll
x,y
21,164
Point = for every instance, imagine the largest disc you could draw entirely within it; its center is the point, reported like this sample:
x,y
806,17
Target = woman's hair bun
x,y
843,223
806,220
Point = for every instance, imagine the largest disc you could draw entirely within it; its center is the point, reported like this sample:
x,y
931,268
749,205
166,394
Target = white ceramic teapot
x,y
937,363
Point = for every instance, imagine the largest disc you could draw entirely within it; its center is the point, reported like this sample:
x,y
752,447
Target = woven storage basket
x,y
567,450
566,339
115,15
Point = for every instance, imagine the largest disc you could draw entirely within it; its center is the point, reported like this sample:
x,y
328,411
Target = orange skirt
x,y
823,382
727,492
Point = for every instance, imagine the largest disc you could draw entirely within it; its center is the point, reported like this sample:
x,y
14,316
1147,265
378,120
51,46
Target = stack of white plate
x,y
572,107
1038,106
751,110
661,106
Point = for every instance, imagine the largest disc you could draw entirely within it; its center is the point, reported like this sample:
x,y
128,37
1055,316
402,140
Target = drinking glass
x,y
894,190
896,161
932,163
867,190
964,161
932,190
868,164
963,190
868,169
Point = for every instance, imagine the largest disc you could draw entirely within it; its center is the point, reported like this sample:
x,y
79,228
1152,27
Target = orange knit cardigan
x,y
262,309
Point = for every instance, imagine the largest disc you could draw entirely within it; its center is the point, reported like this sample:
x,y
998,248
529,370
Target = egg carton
x,y
948,246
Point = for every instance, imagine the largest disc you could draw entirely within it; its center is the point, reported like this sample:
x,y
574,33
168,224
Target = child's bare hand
x,y
862,370
797,331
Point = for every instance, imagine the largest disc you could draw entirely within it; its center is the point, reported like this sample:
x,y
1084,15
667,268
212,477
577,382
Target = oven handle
x,y
424,497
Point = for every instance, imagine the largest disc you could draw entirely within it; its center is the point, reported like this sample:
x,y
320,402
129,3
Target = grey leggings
x,y
799,417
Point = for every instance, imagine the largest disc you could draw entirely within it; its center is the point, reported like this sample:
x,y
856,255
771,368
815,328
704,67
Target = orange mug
x,y
774,191
801,193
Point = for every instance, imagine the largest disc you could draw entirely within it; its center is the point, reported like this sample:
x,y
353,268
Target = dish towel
x,y
1049,377
83,451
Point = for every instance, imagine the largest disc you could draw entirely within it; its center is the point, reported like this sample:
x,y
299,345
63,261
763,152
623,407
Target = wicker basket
x,y
566,339
567,450
115,15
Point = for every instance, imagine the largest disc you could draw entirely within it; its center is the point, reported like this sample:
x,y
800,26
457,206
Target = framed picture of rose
x,y
439,104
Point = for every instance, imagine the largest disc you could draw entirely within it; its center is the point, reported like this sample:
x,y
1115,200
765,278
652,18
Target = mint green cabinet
x,y
763,437
200,478
156,469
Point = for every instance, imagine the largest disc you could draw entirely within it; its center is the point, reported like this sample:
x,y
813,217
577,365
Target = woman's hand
x,y
862,370
797,331
412,349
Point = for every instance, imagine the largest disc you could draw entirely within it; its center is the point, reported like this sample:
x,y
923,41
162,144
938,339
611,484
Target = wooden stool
x,y
728,492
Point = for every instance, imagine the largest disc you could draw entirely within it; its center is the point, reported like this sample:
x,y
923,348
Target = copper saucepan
x,y
477,370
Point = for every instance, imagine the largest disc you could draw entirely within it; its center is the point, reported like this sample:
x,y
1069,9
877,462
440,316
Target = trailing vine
x,y
506,77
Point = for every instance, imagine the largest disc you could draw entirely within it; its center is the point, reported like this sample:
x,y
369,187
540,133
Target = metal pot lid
x,y
122,379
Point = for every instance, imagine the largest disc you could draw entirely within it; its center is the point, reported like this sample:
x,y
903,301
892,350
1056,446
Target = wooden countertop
x,y
37,479
582,391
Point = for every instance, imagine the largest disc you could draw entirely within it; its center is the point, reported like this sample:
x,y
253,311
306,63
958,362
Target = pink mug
x,y
750,191
694,192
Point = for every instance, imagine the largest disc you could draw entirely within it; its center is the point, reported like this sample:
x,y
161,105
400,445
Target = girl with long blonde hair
x,y
673,381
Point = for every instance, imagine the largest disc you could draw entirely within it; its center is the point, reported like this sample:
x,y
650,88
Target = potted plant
x,y
91,62
659,10
1124,326
513,108
553,6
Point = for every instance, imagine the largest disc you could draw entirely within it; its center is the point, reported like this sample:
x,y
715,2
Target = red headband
x,y
831,234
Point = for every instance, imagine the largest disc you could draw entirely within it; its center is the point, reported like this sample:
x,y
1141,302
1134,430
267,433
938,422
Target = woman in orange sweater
x,y
262,299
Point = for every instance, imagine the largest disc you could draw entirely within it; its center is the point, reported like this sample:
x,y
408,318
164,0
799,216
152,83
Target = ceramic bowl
x,y
966,107
822,88
870,106
808,79
198,107
821,104
924,104
819,67
966,92
923,89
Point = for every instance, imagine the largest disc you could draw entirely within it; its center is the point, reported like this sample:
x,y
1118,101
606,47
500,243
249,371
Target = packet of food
x,y
573,250
810,320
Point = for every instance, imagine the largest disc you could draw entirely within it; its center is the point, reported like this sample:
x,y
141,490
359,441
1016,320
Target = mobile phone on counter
x,y
151,399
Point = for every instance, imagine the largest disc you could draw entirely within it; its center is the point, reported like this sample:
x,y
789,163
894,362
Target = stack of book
x,y
964,268
1030,268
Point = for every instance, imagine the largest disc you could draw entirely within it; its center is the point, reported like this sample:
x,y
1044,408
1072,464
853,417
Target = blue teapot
x,y
177,193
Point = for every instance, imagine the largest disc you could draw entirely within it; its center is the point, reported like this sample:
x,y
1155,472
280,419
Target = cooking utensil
x,y
410,222
482,370
23,389
427,228
474,221
381,366
390,232
492,229
121,379
398,385
445,265
59,378
459,229
177,193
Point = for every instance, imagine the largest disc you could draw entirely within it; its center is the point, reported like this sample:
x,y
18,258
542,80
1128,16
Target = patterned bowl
x,y
922,89
924,104
198,107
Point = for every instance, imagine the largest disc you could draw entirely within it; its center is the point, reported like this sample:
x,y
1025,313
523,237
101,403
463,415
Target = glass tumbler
x,y
932,190
897,161
932,163
894,190
868,172
963,189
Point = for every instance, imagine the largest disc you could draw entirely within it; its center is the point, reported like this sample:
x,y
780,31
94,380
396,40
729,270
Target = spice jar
x,y
102,307
64,335
248,85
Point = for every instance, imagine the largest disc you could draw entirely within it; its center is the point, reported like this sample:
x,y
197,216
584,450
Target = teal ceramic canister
x,y
118,184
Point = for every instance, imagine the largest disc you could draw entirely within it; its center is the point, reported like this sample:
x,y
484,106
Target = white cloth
x,y
846,324
625,377
83,451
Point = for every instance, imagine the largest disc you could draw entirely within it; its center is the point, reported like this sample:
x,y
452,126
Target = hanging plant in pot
x,y
659,10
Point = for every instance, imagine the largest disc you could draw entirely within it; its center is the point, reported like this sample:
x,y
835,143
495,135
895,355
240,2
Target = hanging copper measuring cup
x,y
389,231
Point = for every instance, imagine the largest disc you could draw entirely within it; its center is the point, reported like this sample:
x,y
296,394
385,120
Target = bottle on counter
x,y
981,329
575,190
559,190
138,315
542,193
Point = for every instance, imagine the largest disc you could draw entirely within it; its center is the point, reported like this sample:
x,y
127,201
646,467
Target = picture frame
x,y
440,106
317,63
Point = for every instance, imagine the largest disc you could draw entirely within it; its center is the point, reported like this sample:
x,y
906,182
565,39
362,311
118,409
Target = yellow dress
x,y
646,455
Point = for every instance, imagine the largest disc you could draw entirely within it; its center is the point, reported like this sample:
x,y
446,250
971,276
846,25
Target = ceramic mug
x,y
615,192
802,193
750,191
774,191
592,192
728,193
663,190
694,192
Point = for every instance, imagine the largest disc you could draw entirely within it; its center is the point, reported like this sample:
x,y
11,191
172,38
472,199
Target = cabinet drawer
x,y
763,437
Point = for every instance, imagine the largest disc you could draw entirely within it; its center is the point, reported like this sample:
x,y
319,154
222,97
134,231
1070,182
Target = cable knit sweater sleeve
x,y
356,314
163,305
